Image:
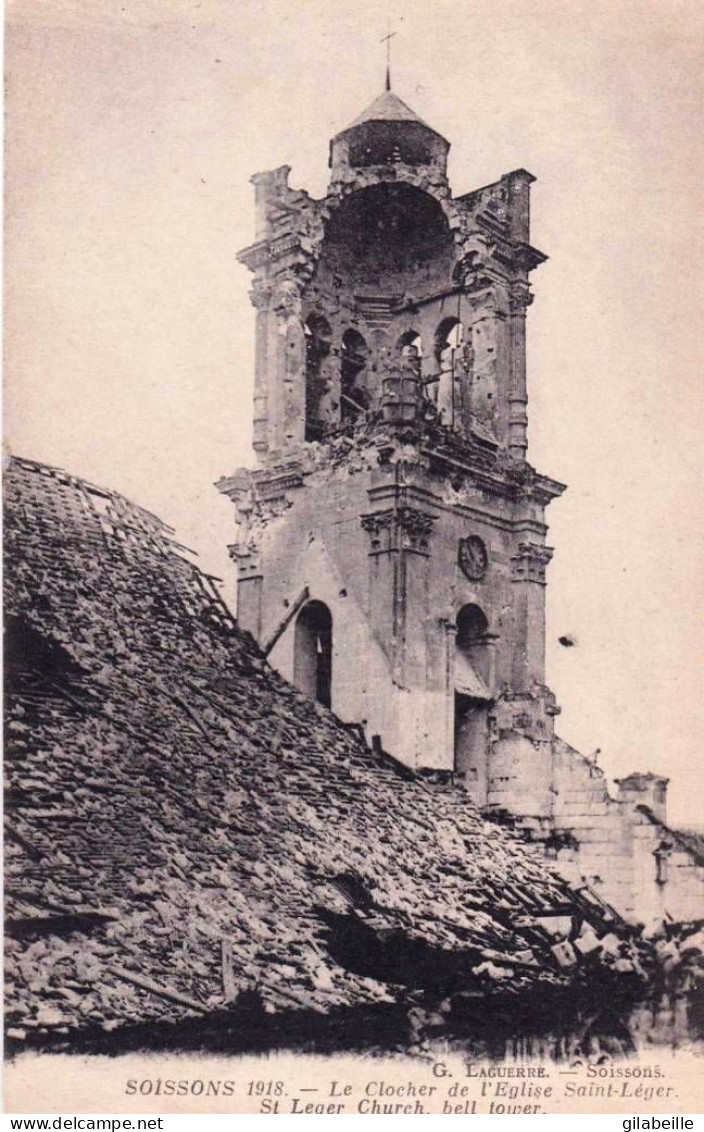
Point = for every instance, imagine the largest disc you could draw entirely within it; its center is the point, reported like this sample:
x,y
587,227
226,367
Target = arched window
x,y
472,627
410,338
317,334
410,349
312,656
392,238
448,336
473,641
451,369
354,399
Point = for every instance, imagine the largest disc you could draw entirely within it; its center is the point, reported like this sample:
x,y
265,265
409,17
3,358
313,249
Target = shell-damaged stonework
x,y
391,551
342,821
198,853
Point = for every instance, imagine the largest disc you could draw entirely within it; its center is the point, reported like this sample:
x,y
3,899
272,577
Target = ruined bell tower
x,y
391,554
391,551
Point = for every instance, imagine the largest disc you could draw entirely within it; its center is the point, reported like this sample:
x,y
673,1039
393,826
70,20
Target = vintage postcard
x,y
352,439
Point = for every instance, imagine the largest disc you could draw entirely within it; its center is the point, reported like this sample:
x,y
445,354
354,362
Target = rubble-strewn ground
x,y
190,838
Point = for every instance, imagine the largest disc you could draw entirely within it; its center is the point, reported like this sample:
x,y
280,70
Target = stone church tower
x,y
392,549
391,555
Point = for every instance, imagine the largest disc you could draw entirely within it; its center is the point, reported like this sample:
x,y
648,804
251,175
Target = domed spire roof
x,y
388,107
387,133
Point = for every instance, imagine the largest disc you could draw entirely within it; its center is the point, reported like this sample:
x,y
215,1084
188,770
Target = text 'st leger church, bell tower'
x,y
392,538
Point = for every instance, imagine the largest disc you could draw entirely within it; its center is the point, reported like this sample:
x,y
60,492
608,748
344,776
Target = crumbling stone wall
x,y
621,846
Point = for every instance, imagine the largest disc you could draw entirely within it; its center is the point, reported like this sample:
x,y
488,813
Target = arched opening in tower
x,y
409,350
451,387
312,656
354,397
410,338
449,337
472,698
317,336
384,143
387,240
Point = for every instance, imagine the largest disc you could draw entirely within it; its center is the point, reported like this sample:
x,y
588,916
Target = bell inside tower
x,y
387,249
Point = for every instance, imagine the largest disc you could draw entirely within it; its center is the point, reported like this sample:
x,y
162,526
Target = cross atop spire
x,y
387,40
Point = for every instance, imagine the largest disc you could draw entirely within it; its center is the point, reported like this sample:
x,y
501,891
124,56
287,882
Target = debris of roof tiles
x,y
187,832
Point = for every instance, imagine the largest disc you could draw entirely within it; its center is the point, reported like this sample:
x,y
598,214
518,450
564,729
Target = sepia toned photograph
x,y
353,425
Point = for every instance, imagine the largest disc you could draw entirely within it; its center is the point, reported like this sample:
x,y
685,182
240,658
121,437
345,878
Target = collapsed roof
x,y
185,829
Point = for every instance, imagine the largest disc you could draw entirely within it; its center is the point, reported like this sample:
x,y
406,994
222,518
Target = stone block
x,y
587,942
564,953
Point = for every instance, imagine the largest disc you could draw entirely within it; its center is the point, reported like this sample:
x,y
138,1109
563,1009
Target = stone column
x,y
260,296
397,534
490,340
245,553
268,188
448,627
288,411
528,577
519,300
249,587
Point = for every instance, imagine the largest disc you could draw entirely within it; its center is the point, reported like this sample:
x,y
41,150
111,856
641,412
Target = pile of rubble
x,y
187,831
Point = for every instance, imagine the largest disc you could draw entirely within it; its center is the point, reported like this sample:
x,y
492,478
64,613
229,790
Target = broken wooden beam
x,y
155,988
285,621
229,985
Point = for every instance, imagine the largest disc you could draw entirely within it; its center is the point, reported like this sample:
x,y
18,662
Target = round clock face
x,y
473,557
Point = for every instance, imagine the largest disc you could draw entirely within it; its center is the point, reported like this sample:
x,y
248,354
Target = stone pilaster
x,y
249,587
260,296
489,337
399,546
519,301
528,567
289,349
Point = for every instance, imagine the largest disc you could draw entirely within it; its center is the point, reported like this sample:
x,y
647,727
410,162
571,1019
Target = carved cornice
x,y
544,489
261,483
528,258
284,245
256,255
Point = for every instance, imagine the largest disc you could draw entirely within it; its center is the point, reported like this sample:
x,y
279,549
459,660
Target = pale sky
x,y
132,131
